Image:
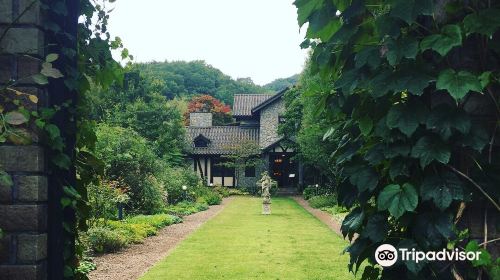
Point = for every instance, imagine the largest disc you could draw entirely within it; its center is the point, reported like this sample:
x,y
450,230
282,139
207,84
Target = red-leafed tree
x,y
206,103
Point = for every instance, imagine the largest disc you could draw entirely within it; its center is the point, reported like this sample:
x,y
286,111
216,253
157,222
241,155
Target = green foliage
x,y
104,198
104,240
391,97
86,266
129,158
173,180
185,208
186,79
212,198
398,199
113,236
282,83
322,201
157,221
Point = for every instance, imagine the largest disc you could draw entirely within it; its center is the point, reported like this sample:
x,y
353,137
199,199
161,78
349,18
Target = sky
x,y
243,38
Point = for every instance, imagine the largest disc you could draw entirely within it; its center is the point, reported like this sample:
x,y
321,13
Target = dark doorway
x,y
283,169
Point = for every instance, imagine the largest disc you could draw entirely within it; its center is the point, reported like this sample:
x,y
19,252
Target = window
x,y
249,171
219,170
201,141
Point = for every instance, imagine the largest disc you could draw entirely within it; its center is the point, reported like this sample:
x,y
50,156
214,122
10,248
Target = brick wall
x,y
23,207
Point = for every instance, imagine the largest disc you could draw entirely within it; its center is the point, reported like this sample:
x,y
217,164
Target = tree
x,y
221,113
413,113
244,155
186,79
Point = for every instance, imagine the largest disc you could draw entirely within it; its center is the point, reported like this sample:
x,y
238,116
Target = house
x,y
257,117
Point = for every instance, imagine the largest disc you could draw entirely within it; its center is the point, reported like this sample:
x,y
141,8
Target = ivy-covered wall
x,y
23,201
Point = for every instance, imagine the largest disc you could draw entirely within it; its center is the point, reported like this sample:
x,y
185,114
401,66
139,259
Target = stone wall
x,y
250,182
269,120
23,207
200,119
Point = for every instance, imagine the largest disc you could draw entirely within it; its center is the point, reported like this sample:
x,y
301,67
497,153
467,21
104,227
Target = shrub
x,y
157,221
133,233
212,198
186,208
130,158
104,198
86,266
105,240
321,201
175,178
223,191
315,190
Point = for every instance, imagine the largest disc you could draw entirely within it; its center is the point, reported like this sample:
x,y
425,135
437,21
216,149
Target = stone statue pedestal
x,y
266,208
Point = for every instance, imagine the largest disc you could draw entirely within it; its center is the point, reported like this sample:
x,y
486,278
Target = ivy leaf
x,y
62,161
49,71
5,180
368,56
484,256
365,125
428,149
53,131
443,119
477,138
370,273
33,98
305,8
442,189
403,48
485,22
397,149
51,57
397,168
406,117
323,23
397,199
376,228
431,229
364,177
458,84
408,10
412,265
19,136
40,79
352,221
485,79
15,118
450,37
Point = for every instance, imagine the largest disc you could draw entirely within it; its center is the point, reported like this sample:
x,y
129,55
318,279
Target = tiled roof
x,y
244,103
222,138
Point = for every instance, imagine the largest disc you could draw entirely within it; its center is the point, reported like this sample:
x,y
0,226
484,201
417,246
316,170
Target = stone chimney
x,y
200,119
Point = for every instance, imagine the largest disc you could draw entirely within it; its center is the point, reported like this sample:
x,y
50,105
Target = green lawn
x,y
240,243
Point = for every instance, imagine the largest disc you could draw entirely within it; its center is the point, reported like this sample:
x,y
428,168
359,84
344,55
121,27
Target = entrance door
x,y
283,169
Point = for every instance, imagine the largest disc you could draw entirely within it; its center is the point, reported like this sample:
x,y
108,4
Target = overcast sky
x,y
243,38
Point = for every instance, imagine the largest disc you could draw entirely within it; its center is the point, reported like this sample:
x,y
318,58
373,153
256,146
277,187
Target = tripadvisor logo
x,y
386,255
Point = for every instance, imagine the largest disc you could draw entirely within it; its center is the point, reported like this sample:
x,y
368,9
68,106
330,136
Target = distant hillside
x,y
180,78
282,83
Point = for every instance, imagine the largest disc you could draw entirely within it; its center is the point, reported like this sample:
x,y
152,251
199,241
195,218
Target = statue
x,y
266,182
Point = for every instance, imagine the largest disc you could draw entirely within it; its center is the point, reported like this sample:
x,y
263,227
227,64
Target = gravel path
x,y
135,260
321,215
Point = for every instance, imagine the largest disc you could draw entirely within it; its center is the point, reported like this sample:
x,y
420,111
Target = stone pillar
x,y
23,206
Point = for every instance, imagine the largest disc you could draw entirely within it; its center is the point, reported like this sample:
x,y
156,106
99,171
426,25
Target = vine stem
x,y
475,185
490,241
